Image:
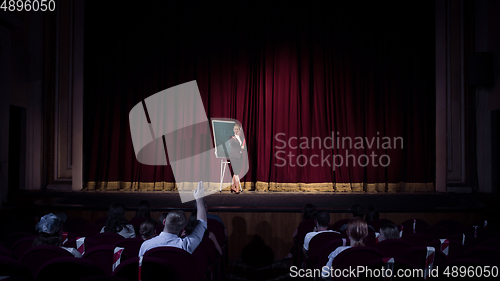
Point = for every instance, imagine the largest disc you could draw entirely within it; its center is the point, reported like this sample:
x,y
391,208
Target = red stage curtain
x,y
285,71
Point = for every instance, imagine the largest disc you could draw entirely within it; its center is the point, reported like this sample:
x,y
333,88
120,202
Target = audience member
x,y
191,225
147,230
117,223
215,217
357,212
322,222
161,219
143,210
388,231
50,233
371,215
257,253
357,231
175,223
308,213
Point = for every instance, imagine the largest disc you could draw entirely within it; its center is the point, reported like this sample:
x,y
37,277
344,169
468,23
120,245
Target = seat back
x,y
418,239
5,252
88,244
466,263
395,264
217,228
152,269
486,254
393,247
108,238
436,232
418,255
376,224
408,226
101,221
35,257
67,269
491,243
355,256
11,267
21,246
103,256
451,225
304,227
87,230
454,251
131,247
336,226
201,258
12,238
317,243
180,259
327,249
72,223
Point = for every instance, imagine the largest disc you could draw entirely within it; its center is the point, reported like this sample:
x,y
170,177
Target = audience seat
x,y
398,264
89,243
72,223
131,245
393,247
12,238
355,256
101,221
217,229
486,254
67,269
459,263
336,226
87,230
376,224
456,249
37,256
178,258
417,256
21,246
108,238
104,278
491,243
11,267
451,225
102,256
436,232
327,249
317,243
4,252
418,239
150,270
408,226
304,227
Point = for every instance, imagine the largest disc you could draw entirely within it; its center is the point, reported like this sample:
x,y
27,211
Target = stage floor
x,y
251,201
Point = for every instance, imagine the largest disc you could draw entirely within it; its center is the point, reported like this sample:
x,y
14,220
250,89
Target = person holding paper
x,y
236,155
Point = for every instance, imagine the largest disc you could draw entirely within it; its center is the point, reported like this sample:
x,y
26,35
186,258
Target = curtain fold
x,y
309,85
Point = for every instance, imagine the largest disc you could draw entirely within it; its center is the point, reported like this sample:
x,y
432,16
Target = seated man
x,y
388,231
175,223
322,221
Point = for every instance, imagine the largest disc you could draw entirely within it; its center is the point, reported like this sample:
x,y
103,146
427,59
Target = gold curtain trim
x,y
265,186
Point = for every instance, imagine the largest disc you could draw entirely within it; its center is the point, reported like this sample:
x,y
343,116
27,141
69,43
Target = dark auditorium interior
x,y
390,106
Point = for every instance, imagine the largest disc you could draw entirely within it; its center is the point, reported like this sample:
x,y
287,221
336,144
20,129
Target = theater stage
x,y
251,201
